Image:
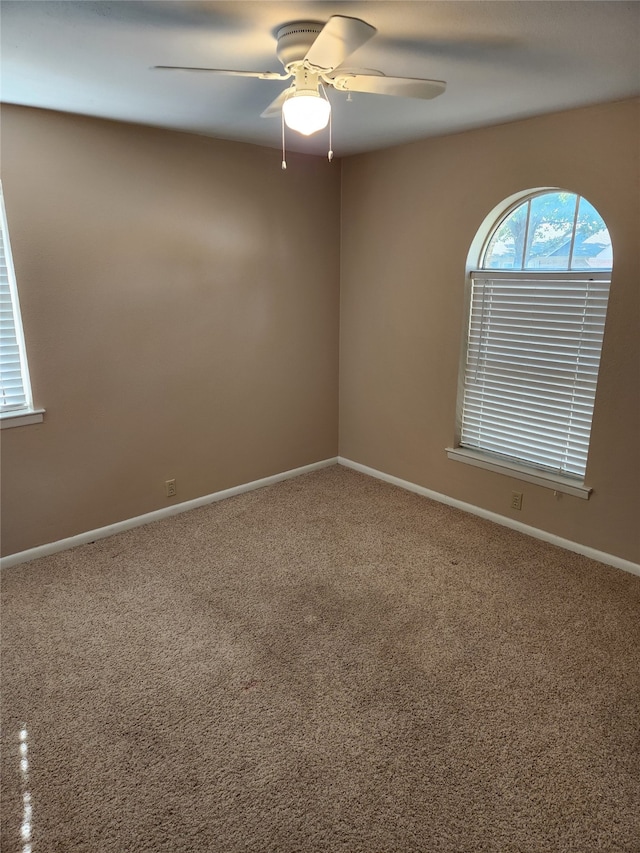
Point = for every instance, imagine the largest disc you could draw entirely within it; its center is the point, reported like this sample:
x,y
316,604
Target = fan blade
x,y
260,75
275,106
337,40
405,87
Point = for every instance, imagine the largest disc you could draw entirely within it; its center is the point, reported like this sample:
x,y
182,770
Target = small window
x,y
15,389
536,325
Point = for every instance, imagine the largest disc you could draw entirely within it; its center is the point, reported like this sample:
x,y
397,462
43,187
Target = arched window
x,y
536,323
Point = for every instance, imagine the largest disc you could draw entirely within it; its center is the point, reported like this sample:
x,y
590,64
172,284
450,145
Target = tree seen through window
x,y
551,231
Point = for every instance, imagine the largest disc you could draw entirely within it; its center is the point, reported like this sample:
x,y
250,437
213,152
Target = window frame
x,y
528,472
27,413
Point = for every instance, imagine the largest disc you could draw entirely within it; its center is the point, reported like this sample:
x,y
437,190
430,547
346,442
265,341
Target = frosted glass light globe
x,y
306,113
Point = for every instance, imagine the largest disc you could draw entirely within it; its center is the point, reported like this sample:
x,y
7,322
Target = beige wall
x,y
409,216
180,302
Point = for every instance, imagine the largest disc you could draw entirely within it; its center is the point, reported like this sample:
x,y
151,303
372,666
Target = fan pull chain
x,y
330,151
284,156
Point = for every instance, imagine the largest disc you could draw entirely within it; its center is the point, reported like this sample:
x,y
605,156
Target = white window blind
x,y
532,366
15,393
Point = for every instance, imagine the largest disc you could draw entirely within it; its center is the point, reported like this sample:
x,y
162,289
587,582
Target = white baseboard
x,y
601,556
156,515
185,506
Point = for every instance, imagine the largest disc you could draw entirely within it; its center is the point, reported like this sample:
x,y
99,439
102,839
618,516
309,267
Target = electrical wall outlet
x,y
516,500
170,488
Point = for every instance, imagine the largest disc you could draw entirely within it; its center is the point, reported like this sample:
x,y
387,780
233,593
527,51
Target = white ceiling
x,y
501,60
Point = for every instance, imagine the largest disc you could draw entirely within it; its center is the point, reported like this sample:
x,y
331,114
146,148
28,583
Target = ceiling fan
x,y
313,55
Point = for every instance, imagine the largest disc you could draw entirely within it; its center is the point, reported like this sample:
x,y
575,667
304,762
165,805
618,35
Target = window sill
x,y
19,418
520,472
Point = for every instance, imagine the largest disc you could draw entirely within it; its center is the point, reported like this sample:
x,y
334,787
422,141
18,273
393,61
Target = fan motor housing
x,y
294,40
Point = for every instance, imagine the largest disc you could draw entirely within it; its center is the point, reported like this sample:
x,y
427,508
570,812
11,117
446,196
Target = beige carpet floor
x,y
327,665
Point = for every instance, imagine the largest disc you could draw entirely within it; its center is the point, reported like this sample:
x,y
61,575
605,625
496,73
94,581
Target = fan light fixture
x,y
314,55
306,113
